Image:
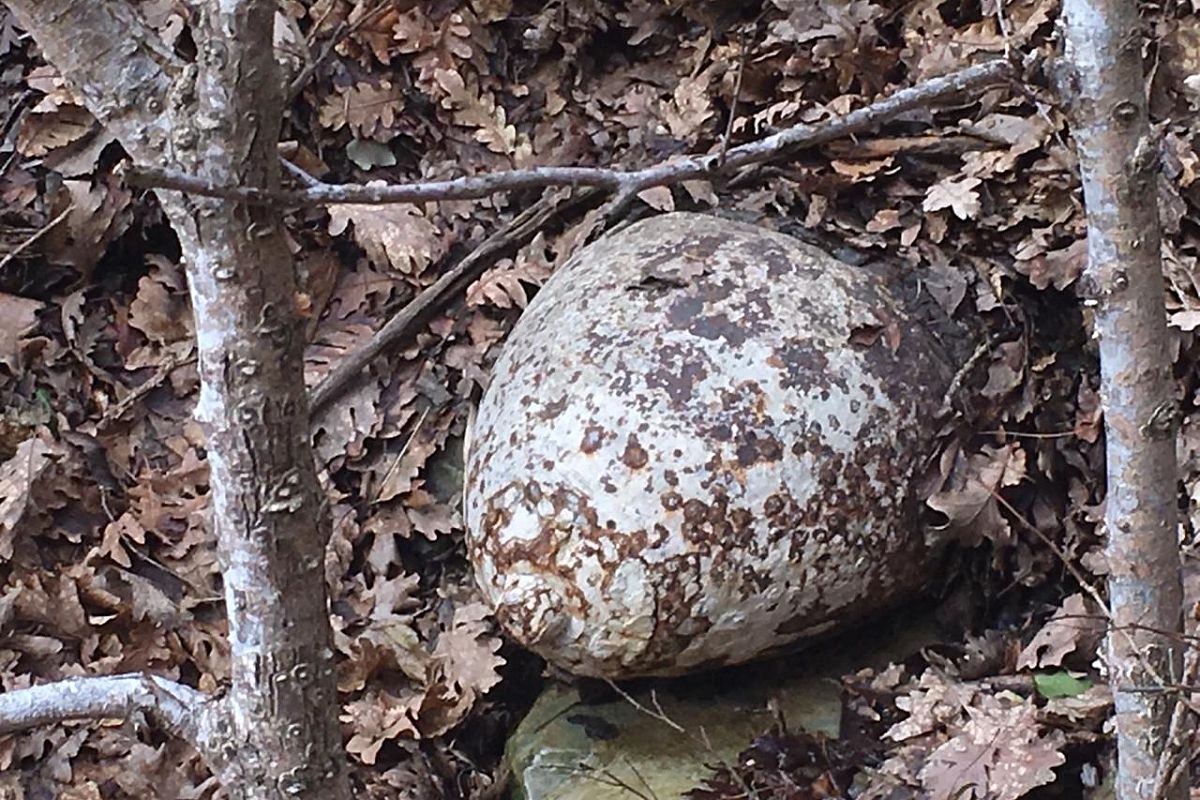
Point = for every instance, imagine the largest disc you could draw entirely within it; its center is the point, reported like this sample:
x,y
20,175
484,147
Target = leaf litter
x,y
105,560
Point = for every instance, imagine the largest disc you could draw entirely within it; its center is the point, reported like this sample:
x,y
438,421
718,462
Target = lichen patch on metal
x,y
687,458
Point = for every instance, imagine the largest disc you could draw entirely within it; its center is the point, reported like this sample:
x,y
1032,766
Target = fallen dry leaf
x,y
999,754
955,193
399,235
17,478
970,498
18,316
1077,624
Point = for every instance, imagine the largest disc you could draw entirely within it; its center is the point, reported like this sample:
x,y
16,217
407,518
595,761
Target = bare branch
x,y
175,706
625,182
733,103
1175,755
343,30
657,714
521,229
517,233
23,246
381,194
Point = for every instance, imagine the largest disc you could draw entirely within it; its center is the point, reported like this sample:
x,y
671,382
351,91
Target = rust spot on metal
x,y
705,246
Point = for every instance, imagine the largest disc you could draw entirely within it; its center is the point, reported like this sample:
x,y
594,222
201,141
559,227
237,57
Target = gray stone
x,y
565,750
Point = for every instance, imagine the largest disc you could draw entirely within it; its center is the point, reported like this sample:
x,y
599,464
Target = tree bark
x,y
1118,158
275,734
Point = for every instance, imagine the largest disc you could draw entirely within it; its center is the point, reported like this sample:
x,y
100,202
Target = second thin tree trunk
x,y
1118,158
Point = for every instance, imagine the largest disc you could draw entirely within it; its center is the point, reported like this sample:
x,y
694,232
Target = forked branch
x,y
622,182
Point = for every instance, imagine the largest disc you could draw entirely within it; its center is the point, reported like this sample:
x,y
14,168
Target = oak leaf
x,y
1076,625
370,111
44,133
955,193
969,498
18,477
473,108
504,284
18,316
999,754
377,718
398,235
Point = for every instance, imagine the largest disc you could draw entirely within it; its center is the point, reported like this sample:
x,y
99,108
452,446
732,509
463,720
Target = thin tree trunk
x,y
1118,158
275,734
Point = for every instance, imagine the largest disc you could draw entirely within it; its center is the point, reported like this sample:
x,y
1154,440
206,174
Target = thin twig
x,y
41,232
164,371
377,489
342,30
639,776
516,234
1002,23
614,208
733,104
1080,578
604,777
300,174
16,113
693,167
701,741
959,377
1174,755
1029,434
1094,593
656,714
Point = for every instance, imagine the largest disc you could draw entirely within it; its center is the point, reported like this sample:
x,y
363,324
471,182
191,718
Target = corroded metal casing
x,y
698,445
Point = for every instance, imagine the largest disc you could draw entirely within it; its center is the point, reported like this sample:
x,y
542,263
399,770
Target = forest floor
x,y
106,564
